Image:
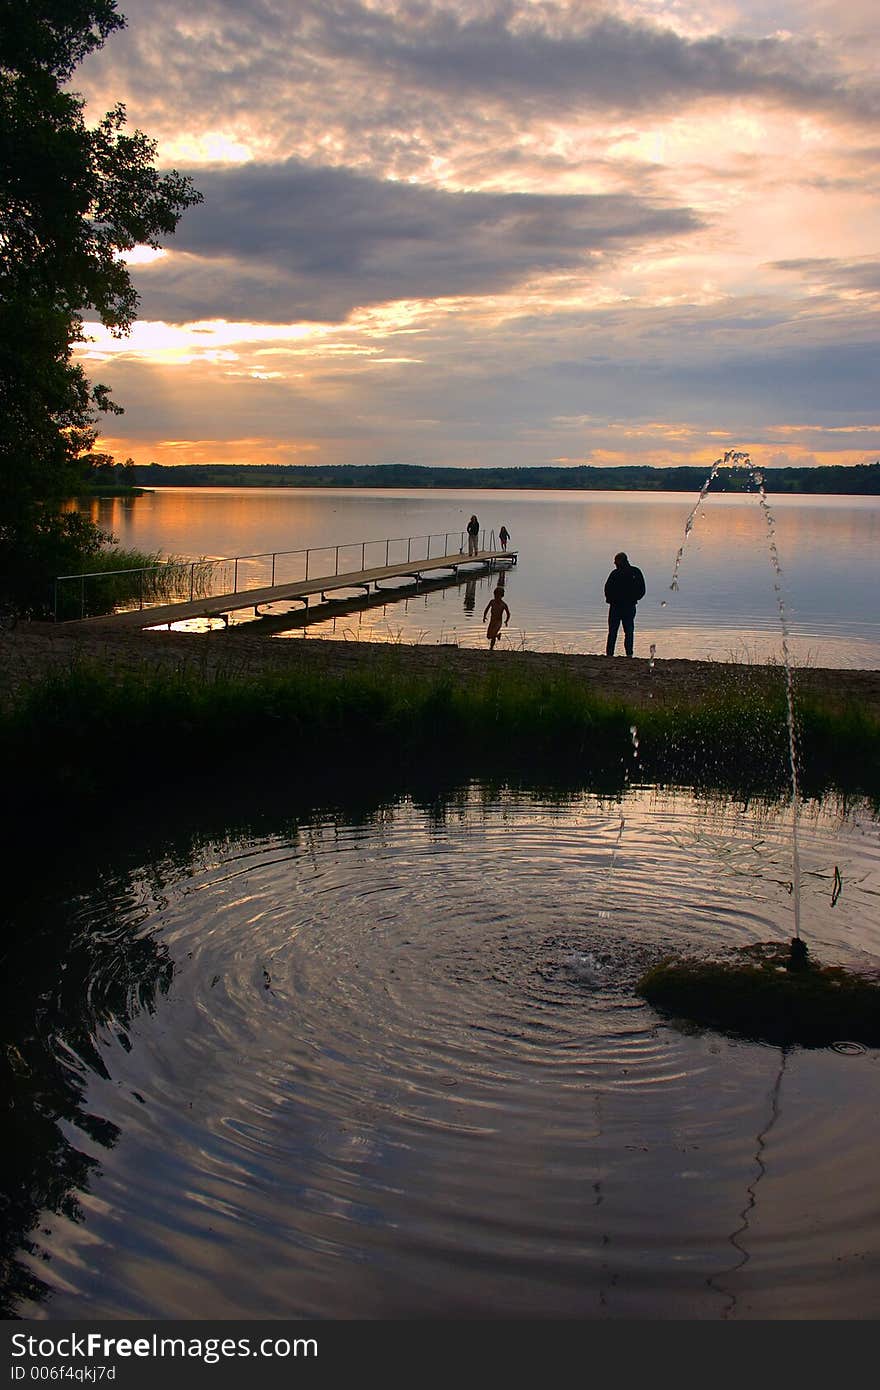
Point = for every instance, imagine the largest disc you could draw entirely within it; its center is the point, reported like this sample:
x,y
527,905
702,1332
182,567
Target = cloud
x,y
597,60
537,389
509,230
287,242
828,272
395,80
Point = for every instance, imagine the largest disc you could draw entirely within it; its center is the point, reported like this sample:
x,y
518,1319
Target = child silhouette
x,y
498,610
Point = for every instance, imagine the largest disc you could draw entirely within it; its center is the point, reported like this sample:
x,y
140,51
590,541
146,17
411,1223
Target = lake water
x,y
726,607
392,1064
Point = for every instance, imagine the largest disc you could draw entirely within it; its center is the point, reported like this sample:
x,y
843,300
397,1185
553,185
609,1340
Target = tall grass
x,y
97,732
118,579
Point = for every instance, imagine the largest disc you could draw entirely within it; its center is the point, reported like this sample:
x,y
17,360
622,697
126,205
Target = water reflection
x,y
68,986
738,1238
398,1067
378,615
115,516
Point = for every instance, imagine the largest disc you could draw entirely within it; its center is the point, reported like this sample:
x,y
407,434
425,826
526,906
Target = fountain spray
x,y
733,459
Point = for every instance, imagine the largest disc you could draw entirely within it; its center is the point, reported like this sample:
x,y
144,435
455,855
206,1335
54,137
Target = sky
x,y
502,232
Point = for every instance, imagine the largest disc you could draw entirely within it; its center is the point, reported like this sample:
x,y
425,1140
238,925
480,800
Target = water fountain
x,y
776,994
739,459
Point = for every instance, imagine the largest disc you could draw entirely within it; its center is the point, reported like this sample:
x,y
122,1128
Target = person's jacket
x,y
625,586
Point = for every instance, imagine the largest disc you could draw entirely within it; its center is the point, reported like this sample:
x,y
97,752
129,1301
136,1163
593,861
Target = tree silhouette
x,y
73,199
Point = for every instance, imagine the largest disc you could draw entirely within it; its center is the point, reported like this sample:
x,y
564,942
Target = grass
x,y
79,727
756,994
118,578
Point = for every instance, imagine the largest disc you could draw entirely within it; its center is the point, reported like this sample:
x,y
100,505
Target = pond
x,y
726,608
390,1062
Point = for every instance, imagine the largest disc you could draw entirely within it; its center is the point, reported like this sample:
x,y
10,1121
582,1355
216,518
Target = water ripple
x,y
401,1066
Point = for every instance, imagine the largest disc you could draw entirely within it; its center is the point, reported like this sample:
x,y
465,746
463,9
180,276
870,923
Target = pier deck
x,y
218,605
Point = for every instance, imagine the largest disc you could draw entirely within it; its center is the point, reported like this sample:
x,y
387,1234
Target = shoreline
x,y
33,651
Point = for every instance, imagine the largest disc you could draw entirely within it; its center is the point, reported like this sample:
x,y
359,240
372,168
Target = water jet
x,y
767,992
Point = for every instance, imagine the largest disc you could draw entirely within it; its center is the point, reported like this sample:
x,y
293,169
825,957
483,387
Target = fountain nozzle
x,y
799,956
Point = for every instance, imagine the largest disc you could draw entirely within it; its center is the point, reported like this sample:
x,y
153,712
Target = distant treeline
x,y
862,479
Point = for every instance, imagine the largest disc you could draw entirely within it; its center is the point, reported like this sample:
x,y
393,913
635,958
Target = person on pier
x,y
504,537
473,532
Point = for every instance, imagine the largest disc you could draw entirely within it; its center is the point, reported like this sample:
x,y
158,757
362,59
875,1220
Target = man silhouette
x,y
624,587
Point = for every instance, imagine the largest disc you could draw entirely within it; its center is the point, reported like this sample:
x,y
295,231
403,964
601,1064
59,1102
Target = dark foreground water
x,y
393,1064
726,607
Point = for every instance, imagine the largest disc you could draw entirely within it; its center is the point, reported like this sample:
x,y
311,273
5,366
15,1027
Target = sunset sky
x,y
503,232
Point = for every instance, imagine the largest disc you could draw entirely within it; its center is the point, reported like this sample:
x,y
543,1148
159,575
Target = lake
x,y
726,607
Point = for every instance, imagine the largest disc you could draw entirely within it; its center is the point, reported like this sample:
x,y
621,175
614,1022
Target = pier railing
x,y
117,591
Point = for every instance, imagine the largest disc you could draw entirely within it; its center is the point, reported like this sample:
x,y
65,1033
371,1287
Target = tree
x,y
99,470
73,197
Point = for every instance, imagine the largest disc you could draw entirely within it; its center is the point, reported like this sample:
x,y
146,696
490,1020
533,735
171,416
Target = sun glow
x,y
182,344
142,255
209,147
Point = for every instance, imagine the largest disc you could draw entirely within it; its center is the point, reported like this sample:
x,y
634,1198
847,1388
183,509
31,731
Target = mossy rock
x,y
762,993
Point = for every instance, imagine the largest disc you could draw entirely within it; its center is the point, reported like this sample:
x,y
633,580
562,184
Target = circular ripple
x,y
401,1066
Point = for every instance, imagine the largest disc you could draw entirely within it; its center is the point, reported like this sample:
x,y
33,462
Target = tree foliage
x,y
74,197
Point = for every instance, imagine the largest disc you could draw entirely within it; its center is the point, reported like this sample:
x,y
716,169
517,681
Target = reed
x,y
91,728
118,579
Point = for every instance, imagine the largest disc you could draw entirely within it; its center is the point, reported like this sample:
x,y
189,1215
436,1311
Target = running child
x,y
498,610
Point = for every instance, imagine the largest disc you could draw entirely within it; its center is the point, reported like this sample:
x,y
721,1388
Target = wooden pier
x,y
221,605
